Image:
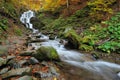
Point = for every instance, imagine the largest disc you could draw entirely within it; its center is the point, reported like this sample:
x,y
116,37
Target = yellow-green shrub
x,y
99,8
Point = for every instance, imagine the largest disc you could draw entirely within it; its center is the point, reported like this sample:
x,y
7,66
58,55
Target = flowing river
x,y
107,70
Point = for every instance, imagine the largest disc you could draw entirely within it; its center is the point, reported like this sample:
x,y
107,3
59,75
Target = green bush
x,y
8,9
3,27
113,31
114,27
109,46
3,24
99,9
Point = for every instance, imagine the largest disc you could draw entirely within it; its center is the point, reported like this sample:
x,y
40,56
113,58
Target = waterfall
x,y
25,19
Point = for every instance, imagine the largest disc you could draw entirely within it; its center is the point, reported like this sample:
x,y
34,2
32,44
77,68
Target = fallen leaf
x,y
45,69
55,78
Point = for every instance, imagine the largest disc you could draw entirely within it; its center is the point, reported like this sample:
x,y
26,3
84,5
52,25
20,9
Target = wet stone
x,y
33,61
16,72
27,53
10,57
42,74
53,71
11,62
118,74
44,63
25,78
4,70
23,62
3,61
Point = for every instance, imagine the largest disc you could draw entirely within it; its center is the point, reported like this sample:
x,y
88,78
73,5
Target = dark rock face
x,y
73,39
37,24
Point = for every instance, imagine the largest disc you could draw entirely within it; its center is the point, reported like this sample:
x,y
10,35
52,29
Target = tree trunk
x,y
119,5
68,9
67,3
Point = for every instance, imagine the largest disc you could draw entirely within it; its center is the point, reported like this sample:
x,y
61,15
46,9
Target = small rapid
x,y
109,71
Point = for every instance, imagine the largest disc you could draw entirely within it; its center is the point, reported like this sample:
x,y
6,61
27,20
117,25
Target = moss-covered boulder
x,y
46,53
73,39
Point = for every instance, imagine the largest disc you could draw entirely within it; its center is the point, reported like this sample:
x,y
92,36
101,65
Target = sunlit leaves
x,y
53,4
32,4
100,7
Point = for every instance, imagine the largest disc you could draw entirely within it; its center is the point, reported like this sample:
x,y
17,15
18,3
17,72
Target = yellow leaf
x,y
55,78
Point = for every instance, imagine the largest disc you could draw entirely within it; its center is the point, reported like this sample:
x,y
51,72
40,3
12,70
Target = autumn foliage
x,y
49,5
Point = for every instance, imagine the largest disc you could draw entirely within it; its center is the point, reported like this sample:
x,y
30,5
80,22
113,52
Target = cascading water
x,y
109,71
25,19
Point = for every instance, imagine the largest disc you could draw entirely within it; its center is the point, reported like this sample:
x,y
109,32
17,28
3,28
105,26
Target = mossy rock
x,y
46,53
73,39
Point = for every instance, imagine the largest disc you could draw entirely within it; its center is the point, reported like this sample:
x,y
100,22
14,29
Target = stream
x,y
106,70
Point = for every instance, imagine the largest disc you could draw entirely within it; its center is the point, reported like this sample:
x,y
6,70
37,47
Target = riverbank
x,y
17,44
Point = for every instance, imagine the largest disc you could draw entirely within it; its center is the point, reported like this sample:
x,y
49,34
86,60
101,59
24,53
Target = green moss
x,y
73,38
47,53
86,47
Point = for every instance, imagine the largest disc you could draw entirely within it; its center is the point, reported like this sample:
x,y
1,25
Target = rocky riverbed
x,y
17,67
21,61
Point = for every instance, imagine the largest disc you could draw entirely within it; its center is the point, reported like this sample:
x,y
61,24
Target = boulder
x,y
16,72
10,57
4,70
25,78
27,53
33,61
37,40
3,61
46,53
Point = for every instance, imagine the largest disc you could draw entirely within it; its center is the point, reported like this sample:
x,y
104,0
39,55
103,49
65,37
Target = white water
x,y
25,19
109,71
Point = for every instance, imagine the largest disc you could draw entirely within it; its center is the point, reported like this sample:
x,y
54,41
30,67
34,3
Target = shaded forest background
x,y
88,25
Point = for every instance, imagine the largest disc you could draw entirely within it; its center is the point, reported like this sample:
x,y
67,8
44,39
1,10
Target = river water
x,y
107,70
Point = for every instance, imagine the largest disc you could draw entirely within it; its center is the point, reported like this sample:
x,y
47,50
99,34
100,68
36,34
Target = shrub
x,y
113,31
110,46
100,8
